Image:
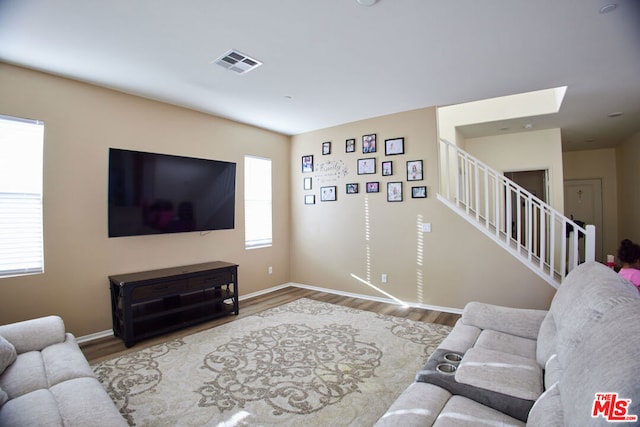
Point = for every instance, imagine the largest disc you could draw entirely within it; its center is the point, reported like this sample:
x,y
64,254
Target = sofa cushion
x,y
507,343
25,375
504,373
7,354
34,334
3,397
38,408
605,361
417,406
520,322
547,411
462,412
461,338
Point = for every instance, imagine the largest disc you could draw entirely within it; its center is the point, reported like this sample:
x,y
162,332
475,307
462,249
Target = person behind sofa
x,y
629,255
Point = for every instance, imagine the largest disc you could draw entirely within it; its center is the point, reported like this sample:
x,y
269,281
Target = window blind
x,y
21,237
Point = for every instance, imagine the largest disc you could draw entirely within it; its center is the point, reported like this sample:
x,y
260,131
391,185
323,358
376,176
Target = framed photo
x,y
369,143
310,199
419,192
367,166
414,170
307,163
350,145
352,188
307,183
394,191
326,148
328,194
387,168
373,187
393,146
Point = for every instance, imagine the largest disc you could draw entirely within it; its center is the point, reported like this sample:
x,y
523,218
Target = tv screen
x,y
159,193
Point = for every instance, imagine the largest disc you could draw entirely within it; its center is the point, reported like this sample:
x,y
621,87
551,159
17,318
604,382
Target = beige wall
x,y
628,162
598,164
533,150
365,236
81,123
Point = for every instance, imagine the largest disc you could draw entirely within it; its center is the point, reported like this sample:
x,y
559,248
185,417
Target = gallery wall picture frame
x,y
373,187
414,170
393,146
350,145
369,143
367,166
307,163
307,183
328,194
394,191
326,148
387,168
310,199
352,188
419,192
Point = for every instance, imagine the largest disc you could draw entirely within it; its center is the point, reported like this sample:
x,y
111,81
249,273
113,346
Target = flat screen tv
x,y
159,193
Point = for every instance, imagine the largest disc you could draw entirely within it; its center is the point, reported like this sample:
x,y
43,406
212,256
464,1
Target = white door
x,y
583,202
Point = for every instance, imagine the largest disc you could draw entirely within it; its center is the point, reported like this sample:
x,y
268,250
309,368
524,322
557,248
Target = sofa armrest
x,y
514,321
34,334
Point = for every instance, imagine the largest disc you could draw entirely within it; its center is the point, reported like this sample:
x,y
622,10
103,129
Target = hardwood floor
x,y
105,348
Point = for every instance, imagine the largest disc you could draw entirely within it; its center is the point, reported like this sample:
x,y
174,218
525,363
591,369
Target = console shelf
x,y
151,303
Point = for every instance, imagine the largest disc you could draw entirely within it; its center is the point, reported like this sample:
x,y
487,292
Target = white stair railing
x,y
531,230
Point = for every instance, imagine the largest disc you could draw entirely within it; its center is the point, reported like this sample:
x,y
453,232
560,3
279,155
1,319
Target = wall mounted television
x,y
159,193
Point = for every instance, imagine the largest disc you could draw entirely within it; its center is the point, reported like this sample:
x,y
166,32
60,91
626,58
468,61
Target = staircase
x,y
540,237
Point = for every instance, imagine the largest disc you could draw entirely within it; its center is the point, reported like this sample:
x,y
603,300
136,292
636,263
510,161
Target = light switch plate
x,y
426,227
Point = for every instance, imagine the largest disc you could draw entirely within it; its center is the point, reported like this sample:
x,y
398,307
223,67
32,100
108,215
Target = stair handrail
x,y
538,251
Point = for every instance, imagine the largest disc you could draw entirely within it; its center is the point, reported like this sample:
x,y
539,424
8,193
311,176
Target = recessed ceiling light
x,y
615,114
608,8
366,2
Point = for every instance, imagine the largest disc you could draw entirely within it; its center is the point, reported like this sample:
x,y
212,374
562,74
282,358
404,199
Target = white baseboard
x,y
109,333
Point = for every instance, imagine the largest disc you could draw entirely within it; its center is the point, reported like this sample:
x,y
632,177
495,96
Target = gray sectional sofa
x,y
45,379
577,364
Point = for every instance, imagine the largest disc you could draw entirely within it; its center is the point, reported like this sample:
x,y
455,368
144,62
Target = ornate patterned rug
x,y
303,363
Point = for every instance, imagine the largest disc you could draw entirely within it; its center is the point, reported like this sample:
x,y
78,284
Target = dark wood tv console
x,y
151,303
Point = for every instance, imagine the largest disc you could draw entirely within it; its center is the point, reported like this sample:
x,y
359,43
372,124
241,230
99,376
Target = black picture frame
x,y
387,168
369,143
352,188
367,166
350,145
373,187
326,148
328,194
419,192
415,170
307,183
307,163
394,191
393,146
310,199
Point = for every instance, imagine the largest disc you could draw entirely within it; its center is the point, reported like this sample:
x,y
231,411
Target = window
x,y
21,247
257,202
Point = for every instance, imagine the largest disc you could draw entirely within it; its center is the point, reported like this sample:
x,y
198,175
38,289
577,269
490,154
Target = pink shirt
x,y
631,274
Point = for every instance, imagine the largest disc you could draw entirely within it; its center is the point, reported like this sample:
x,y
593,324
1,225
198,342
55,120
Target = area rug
x,y
303,363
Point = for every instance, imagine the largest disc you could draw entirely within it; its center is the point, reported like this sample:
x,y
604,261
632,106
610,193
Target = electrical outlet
x,y
384,278
270,270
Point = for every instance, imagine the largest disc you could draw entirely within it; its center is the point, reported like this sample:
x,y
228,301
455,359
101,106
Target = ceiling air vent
x,y
237,62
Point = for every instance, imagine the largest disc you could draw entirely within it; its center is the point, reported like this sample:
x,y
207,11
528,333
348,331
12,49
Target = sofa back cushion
x,y
585,292
606,361
7,354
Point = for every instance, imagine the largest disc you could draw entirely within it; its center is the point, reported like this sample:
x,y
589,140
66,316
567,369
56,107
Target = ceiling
x,y
329,62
